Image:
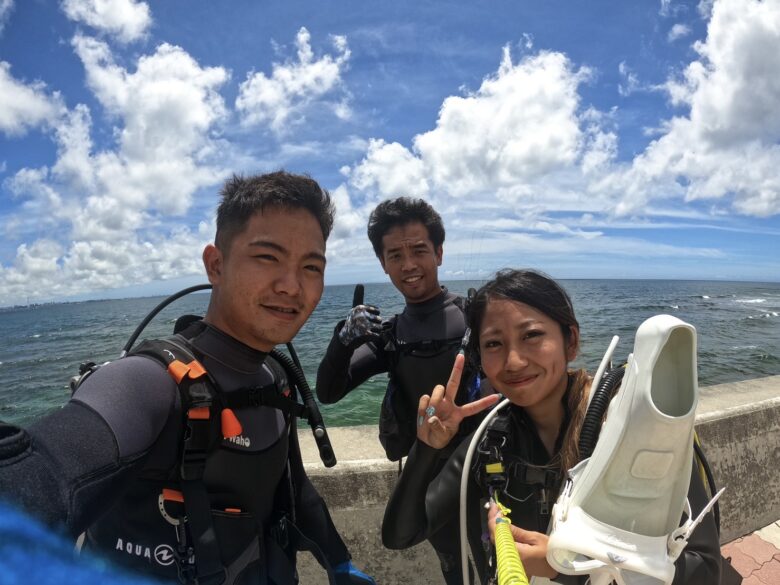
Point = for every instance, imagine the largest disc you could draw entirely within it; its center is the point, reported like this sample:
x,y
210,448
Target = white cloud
x,y
728,144
390,170
128,20
488,251
46,270
522,135
522,140
349,219
6,7
521,158
519,126
678,31
630,82
96,218
32,184
74,165
24,106
530,223
705,8
283,98
168,107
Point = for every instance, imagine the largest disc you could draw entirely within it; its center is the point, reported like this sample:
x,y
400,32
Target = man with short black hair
x,y
417,347
181,459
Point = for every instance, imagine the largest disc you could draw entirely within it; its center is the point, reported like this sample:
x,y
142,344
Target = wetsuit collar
x,y
521,418
223,348
428,306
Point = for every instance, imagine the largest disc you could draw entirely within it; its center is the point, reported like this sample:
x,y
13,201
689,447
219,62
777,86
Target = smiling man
x,y
181,460
416,348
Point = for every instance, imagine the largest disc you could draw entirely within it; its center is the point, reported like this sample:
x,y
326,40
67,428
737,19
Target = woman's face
x,y
524,354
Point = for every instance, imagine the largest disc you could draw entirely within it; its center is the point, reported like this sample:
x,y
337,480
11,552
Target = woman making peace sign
x,y
523,336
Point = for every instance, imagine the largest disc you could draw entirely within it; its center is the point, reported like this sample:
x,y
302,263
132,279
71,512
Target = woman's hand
x,y
438,417
532,546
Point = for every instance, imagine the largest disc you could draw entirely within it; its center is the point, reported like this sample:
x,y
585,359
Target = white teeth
x,y
412,279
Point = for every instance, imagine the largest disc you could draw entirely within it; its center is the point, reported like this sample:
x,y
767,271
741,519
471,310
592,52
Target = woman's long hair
x,y
541,292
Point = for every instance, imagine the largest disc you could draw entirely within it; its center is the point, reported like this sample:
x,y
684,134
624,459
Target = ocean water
x,y
738,328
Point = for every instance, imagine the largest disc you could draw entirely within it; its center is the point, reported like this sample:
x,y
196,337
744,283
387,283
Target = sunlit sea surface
x,y
738,325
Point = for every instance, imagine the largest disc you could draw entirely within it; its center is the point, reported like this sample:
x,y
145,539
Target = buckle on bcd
x,y
281,533
196,442
171,495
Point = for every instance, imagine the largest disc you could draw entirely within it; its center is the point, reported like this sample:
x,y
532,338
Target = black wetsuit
x,y
98,465
412,374
423,501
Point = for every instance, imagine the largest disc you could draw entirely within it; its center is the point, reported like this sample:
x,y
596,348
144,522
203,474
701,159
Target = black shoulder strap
x,y
491,450
196,386
197,391
489,462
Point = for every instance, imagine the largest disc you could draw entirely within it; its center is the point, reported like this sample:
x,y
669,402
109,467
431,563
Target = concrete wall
x,y
738,424
739,427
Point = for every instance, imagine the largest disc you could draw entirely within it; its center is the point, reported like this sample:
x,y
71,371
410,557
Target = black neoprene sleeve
x,y
342,369
69,471
77,460
406,522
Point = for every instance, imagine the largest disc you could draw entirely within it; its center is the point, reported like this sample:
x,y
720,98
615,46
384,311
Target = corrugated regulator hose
x,y
591,426
508,564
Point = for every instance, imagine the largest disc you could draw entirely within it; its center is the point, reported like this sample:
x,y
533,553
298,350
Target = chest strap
x,y
267,395
529,474
495,465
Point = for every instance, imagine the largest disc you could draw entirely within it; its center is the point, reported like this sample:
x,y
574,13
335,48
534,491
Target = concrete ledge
x,y
738,424
739,427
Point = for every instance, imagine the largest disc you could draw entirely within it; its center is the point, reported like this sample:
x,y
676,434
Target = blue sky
x,y
588,139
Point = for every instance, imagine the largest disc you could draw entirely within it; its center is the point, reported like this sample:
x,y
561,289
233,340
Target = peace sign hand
x,y
438,417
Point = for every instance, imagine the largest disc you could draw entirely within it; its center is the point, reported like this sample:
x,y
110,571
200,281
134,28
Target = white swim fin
x,y
618,515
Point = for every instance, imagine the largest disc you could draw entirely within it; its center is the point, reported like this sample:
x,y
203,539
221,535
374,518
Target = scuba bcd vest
x,y
414,368
167,518
170,525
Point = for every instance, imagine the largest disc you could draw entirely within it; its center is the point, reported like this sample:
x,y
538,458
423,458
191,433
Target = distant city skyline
x,y
635,140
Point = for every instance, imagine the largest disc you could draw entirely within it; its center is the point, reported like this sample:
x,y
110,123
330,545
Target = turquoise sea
x,y
738,325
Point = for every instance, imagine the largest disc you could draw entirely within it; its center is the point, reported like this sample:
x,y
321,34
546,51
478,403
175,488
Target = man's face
x,y
270,280
411,261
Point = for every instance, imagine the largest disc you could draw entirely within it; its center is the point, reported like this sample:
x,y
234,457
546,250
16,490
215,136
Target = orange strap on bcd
x,y
170,495
231,427
178,370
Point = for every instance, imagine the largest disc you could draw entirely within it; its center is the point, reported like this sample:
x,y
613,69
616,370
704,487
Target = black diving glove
x,y
362,324
348,574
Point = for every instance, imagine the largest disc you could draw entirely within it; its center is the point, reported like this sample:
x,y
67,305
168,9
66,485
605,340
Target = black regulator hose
x,y
153,313
591,426
291,367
